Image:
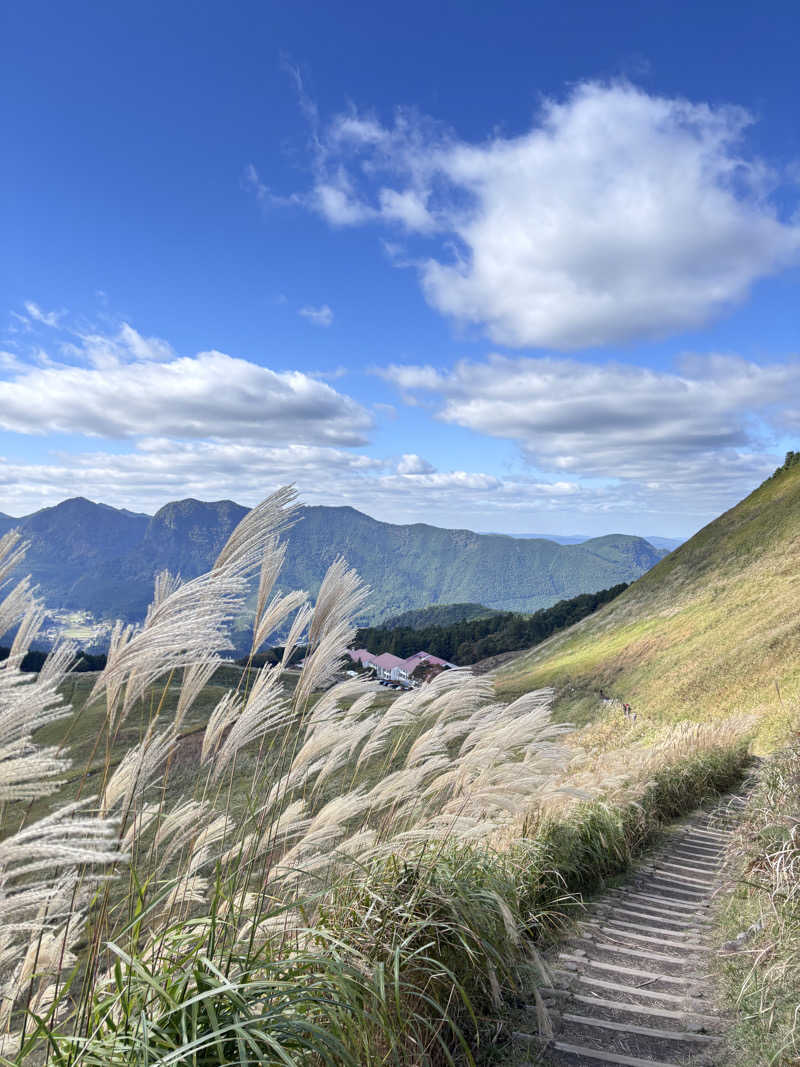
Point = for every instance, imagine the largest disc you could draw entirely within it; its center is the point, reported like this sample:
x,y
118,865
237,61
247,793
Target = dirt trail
x,y
631,986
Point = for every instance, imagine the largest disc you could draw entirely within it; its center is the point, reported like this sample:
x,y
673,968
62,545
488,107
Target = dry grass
x,y
759,926
281,873
712,631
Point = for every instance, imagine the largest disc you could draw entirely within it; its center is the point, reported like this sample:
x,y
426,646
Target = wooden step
x,y
643,1009
640,911
682,880
643,1031
639,953
693,858
673,905
711,835
634,972
713,859
684,892
609,1057
671,865
665,942
651,928
637,991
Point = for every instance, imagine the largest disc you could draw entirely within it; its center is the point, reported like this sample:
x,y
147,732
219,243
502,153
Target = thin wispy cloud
x,y
319,316
46,318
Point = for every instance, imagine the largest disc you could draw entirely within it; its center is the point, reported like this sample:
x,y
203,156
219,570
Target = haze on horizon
x,y
515,271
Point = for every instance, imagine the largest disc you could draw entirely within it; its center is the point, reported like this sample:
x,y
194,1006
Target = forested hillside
x,y
91,557
436,615
474,638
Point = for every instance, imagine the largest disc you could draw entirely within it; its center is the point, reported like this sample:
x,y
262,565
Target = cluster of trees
x,y
463,642
792,460
471,640
34,660
270,656
437,615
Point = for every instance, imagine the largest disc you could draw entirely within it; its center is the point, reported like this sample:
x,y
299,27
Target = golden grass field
x,y
713,630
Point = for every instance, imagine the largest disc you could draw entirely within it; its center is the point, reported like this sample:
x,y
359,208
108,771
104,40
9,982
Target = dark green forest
x,y
473,639
34,660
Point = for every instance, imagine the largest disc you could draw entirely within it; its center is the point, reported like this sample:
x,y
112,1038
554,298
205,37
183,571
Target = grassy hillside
x,y
713,629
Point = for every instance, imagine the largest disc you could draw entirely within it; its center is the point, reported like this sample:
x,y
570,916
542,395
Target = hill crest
x,y
712,629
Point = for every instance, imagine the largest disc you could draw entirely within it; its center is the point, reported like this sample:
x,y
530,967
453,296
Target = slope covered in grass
x,y
712,630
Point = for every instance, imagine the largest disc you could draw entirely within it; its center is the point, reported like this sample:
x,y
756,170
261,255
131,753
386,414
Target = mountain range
x,y
92,557
669,543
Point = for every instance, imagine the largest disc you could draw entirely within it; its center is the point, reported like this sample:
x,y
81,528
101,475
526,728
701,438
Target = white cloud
x,y
252,182
211,395
46,318
616,421
619,214
410,463
11,363
160,470
407,208
321,316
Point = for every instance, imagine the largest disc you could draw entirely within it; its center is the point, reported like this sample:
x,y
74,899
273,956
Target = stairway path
x,y
631,985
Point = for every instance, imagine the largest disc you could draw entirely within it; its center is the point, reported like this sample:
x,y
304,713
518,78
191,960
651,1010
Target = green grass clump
x,y
599,840
408,961
759,924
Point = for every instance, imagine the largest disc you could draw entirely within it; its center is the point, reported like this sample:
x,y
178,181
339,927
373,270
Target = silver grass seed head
x,y
244,548
12,553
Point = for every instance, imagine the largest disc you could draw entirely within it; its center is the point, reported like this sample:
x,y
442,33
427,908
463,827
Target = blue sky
x,y
525,269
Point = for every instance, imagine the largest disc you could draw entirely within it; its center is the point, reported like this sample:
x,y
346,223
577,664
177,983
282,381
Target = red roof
x,y
388,661
359,654
425,657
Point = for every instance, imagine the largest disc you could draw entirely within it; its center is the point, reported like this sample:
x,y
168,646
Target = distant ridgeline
x,y
473,639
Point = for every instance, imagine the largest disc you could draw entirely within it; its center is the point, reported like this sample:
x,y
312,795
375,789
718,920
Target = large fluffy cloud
x,y
618,214
208,395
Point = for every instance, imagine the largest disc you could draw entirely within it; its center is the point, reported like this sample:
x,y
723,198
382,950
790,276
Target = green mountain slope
x,y
411,566
713,629
89,556
73,539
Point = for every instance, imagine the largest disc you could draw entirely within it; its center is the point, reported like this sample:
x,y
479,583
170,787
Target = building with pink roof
x,y
393,668
425,657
